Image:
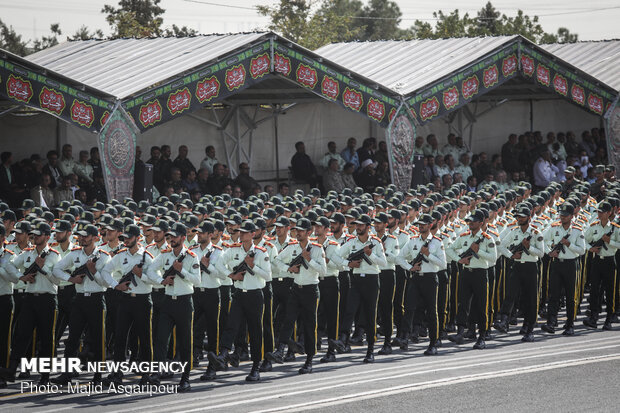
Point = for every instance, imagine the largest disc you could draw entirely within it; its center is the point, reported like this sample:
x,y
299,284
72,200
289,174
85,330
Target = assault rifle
x,y
361,255
130,276
559,247
34,268
300,260
469,252
602,244
83,269
243,267
204,267
519,248
171,272
420,258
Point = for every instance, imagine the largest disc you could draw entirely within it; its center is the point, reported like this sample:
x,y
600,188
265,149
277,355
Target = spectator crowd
x,y
526,157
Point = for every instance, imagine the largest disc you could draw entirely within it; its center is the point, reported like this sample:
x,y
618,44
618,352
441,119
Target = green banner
x,y
401,142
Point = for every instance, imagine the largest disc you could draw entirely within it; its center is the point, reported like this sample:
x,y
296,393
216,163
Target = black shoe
x,y
590,322
219,362
502,324
155,379
7,374
488,336
113,378
306,368
144,380
438,343
443,335
431,351
166,375
184,384
404,344
23,375
357,340
528,338
451,328
424,332
480,344
385,350
569,331
276,356
234,359
329,357
470,334
208,375
370,358
242,355
63,379
457,338
254,375
615,318
548,328
607,325
338,345
290,356
513,321
3,384
396,342
45,380
524,329
265,366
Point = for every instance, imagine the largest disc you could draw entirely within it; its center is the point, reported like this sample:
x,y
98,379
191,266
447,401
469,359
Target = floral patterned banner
x,y
333,85
401,144
35,90
458,90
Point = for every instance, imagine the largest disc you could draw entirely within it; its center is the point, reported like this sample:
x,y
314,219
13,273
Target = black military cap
x,y
206,226
2,230
323,221
303,224
131,231
424,219
312,216
570,170
315,192
523,211
260,223
148,220
363,219
567,209
338,217
396,213
381,217
436,215
87,216
68,217
283,222
8,215
111,210
173,215
127,214
28,204
234,219
270,213
219,225
190,221
352,213
200,209
177,230
131,205
610,168
247,226
476,216
86,230
116,225
62,226
599,169
604,206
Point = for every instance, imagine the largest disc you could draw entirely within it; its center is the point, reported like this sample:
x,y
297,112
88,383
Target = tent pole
x,y
275,135
531,115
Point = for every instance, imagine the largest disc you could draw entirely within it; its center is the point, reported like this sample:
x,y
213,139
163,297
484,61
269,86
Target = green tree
x,y
11,41
83,33
48,41
381,19
140,18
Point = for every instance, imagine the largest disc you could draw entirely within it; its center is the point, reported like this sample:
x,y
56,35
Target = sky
x,y
591,20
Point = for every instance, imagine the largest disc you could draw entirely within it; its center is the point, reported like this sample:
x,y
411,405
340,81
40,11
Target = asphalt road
x,y
554,373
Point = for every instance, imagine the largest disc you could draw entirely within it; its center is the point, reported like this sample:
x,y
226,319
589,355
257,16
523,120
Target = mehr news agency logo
x,y
73,365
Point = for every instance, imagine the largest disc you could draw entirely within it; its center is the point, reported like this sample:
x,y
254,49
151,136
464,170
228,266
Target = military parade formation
x,y
269,279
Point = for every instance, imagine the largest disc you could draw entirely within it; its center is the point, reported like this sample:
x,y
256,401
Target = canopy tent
x,y
140,84
451,78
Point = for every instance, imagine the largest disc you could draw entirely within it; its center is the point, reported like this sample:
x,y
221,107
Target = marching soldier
x,y
179,271
248,265
565,243
9,275
304,296
66,289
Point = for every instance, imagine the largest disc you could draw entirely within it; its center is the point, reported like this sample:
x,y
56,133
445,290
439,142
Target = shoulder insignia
x,y
54,244
194,247
217,247
76,249
54,251
260,248
122,250
105,252
28,249
316,244
449,229
579,227
556,224
375,237
487,236
104,244
148,253
415,236
512,224
166,250
10,252
270,238
465,233
193,254
492,225
269,244
391,236
150,245
596,222
235,245
615,225
330,242
494,233
437,238
226,237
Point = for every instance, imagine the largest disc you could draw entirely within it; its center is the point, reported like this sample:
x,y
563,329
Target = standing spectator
x,y
210,160
429,168
419,145
367,151
464,169
83,169
382,174
245,181
283,190
432,146
382,154
66,163
450,164
9,188
52,169
349,154
302,166
165,165
484,167
183,163
587,144
451,147
155,156
95,161
462,147
496,164
63,192
347,176
510,154
572,147
332,154
43,190
332,180
203,181
600,157
544,171
97,191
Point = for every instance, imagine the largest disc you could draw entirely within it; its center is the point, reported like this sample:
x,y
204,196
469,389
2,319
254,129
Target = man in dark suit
x,y
52,169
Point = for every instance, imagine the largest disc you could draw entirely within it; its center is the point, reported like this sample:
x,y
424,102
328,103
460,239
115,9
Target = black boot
x,y
114,378
45,379
607,325
524,328
63,379
432,349
569,330
458,338
358,337
528,337
144,380
329,357
385,350
295,347
480,344
184,383
549,327
254,373
370,358
276,356
265,366
502,324
96,379
307,367
415,335
338,345
218,361
210,374
592,321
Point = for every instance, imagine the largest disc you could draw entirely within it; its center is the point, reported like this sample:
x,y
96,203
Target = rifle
x,y
559,247
361,255
171,272
83,269
516,248
420,258
242,267
204,267
130,276
469,252
600,243
34,268
299,260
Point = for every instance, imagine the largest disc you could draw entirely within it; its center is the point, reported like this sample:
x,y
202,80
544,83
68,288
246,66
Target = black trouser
x,y
7,309
207,318
443,297
522,281
87,313
421,298
268,335
473,286
544,293
135,313
225,302
176,311
246,305
281,288
329,288
602,277
344,280
563,273
492,276
18,298
454,282
364,292
66,294
303,301
39,311
399,297
387,280
112,299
